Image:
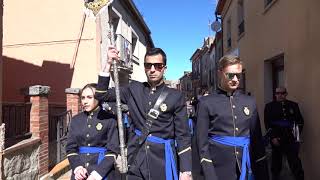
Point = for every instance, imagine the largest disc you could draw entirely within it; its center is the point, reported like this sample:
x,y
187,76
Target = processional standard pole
x,y
98,8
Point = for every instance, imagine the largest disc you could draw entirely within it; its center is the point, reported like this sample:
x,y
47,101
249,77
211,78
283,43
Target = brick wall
x,y
73,100
39,123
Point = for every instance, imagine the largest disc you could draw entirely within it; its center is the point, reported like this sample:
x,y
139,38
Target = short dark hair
x,y
228,60
156,51
90,85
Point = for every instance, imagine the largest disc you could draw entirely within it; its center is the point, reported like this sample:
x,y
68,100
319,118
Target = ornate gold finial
x,y
96,5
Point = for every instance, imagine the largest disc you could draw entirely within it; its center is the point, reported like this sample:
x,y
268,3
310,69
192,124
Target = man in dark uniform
x,y
92,144
228,129
197,173
159,135
281,116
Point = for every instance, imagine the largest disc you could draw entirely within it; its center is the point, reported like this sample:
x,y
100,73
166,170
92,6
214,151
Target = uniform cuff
x,y
104,74
206,160
262,158
184,150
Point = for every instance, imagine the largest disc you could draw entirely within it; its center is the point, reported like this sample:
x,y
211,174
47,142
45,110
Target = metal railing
x,y
16,116
58,129
125,52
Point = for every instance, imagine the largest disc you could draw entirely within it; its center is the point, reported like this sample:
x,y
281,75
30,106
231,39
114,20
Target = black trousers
x,y
291,151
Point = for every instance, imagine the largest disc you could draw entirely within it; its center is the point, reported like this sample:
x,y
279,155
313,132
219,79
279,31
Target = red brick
x,y
39,127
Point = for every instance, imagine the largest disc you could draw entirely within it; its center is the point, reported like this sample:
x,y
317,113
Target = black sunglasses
x,y
230,76
157,66
282,93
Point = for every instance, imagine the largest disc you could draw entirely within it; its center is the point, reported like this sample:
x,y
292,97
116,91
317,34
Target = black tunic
x,y
229,115
172,123
286,111
95,129
280,118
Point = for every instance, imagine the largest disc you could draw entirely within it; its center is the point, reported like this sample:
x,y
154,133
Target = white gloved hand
x,y
185,175
119,164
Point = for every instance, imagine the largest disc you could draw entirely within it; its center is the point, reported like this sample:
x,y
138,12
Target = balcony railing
x,y
125,52
135,59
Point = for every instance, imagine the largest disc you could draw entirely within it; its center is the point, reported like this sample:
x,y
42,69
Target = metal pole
x,y
58,141
123,152
95,6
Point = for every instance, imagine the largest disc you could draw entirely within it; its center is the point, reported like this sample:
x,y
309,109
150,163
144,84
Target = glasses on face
x,y
281,93
157,66
230,76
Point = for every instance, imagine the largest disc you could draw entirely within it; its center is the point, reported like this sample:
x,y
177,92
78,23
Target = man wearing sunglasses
x,y
228,129
159,144
281,116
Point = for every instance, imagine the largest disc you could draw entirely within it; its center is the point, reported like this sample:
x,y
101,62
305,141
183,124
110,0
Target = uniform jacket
x,y
172,123
229,115
286,111
95,129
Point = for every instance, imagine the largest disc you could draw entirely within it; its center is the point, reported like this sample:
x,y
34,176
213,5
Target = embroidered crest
x,y
163,107
99,126
246,111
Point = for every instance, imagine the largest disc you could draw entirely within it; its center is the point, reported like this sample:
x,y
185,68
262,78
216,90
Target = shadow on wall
x,y
19,75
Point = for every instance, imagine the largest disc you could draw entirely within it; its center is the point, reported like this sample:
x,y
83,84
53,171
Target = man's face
x,y
230,77
154,68
281,94
88,101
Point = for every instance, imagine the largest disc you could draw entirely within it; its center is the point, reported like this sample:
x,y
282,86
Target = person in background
x,y
281,116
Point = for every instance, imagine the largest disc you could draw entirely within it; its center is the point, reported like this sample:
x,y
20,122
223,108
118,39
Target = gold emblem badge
x,y
99,126
246,111
163,107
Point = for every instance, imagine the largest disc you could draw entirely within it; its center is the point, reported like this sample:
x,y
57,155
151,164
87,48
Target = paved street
x,y
66,176
285,174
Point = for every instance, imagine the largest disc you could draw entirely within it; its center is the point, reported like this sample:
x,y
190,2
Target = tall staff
x,y
97,7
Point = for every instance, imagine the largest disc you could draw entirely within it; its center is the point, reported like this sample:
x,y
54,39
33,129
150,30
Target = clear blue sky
x,y
178,27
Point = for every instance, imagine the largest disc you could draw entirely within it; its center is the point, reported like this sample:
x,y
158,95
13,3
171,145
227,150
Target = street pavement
x,y
66,176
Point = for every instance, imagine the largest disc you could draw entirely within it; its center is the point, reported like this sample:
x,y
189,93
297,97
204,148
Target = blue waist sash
x,y
100,150
241,142
282,123
171,169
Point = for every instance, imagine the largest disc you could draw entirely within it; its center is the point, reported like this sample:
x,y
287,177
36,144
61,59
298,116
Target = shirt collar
x,y
159,86
234,93
93,112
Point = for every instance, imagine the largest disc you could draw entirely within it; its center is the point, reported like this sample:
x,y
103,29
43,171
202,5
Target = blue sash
x,y
169,157
241,142
91,150
282,123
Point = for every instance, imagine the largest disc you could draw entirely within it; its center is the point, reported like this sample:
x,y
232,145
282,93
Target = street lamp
x,y
216,25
